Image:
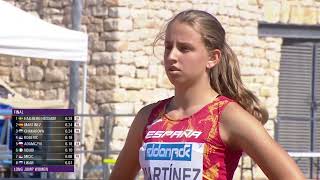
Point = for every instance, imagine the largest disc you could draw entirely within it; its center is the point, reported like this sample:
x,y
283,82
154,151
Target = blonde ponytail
x,y
225,79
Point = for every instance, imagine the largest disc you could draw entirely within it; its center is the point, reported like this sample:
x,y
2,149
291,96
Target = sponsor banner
x,y
178,152
174,160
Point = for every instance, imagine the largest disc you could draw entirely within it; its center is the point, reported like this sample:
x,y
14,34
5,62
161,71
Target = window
x,y
298,128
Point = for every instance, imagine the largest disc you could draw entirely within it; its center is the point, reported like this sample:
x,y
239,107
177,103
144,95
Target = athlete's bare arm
x,y
239,129
127,165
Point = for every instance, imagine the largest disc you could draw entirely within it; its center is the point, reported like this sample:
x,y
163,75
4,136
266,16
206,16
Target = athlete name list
x,y
43,140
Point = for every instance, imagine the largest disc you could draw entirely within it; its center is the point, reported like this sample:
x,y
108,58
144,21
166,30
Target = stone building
x,y
124,74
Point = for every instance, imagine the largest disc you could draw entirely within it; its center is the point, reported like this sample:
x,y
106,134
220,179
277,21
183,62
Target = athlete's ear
x,y
214,58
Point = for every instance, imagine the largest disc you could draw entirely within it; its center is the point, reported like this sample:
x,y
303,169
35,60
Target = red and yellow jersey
x,y
189,148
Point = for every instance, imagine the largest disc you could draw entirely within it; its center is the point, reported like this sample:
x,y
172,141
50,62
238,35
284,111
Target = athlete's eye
x,y
168,47
184,49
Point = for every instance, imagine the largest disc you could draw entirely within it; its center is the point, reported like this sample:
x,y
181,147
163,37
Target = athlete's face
x,y
185,57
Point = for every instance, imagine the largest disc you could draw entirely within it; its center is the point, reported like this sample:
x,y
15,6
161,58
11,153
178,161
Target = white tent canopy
x,y
22,34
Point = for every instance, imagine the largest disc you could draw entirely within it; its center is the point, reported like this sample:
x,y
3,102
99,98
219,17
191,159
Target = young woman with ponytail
x,y
202,131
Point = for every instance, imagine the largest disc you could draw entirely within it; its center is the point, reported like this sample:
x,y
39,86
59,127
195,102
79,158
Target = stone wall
x,y
124,75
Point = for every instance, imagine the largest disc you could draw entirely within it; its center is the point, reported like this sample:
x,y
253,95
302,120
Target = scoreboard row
x,y
46,130
39,124
37,137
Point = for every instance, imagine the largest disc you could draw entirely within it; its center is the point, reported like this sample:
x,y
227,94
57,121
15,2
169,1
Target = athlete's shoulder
x,y
147,110
220,103
225,99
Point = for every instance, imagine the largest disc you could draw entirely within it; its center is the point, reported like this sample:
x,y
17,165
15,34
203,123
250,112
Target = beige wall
x,y
123,73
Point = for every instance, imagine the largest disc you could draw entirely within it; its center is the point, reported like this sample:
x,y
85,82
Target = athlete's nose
x,y
173,54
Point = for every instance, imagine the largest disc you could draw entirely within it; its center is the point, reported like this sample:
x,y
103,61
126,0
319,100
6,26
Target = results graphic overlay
x,y
43,140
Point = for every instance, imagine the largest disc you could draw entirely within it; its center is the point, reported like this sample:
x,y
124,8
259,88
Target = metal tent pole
x,y
82,127
74,71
